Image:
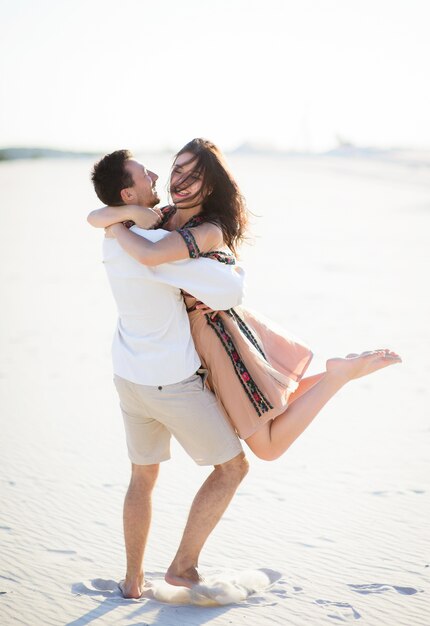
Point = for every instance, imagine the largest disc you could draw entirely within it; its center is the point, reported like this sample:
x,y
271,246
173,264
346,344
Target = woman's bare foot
x,y
358,365
132,589
187,578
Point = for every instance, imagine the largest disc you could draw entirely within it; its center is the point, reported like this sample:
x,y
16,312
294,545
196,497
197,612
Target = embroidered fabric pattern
x,y
257,399
192,246
167,212
247,332
194,221
222,257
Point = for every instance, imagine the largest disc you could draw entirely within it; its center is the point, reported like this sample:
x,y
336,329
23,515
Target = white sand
x,y
338,529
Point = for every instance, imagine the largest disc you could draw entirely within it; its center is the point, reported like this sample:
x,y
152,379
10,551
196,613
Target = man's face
x,y
143,191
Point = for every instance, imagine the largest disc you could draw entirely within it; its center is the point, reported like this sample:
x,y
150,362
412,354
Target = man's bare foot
x,y
187,578
132,589
358,365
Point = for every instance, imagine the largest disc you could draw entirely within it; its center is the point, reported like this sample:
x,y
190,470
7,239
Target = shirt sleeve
x,y
217,285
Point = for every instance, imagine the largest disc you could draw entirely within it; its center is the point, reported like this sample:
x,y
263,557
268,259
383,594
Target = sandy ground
x,y
335,531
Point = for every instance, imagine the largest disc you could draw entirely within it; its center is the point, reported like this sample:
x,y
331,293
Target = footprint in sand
x,y
230,588
283,589
383,588
341,611
99,588
219,589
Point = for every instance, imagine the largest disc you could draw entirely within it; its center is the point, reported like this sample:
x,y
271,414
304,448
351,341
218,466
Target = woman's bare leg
x,y
304,385
271,441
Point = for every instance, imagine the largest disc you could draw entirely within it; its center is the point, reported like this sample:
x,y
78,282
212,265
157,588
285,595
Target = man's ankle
x,y
132,588
186,577
134,577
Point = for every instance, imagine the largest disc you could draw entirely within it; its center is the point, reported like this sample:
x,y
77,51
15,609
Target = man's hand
x,y
144,217
205,310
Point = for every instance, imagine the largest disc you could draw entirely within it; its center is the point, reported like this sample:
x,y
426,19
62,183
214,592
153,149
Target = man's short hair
x,y
109,177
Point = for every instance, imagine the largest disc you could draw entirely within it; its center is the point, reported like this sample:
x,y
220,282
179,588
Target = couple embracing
x,y
188,359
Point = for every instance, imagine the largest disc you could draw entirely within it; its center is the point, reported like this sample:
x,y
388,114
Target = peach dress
x,y
252,365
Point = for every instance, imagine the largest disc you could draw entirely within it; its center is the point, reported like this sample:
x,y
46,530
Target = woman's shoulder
x,y
211,229
208,235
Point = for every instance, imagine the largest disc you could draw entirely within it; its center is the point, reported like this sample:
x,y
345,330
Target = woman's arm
x,y
170,248
108,215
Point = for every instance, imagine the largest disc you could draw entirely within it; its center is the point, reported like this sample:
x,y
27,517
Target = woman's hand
x,y
144,217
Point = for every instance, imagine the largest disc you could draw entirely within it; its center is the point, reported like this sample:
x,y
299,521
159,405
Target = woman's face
x,y
186,184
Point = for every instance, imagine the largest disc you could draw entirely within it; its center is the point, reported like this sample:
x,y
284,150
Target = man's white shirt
x,y
152,343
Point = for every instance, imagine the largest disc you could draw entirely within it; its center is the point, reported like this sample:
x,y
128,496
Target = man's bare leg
x,y
271,441
137,520
207,509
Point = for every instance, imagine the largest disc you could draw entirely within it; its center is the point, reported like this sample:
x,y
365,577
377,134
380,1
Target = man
x,y
155,365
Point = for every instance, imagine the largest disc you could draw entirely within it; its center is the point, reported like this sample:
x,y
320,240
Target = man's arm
x,y
218,285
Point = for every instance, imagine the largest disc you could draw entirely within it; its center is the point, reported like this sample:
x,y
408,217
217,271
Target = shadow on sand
x,y
199,605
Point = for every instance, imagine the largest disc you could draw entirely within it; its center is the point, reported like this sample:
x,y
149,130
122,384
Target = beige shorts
x,y
186,410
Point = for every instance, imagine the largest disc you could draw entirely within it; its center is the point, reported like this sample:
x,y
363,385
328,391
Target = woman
x,y
255,370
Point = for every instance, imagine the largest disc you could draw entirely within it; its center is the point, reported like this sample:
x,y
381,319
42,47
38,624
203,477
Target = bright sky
x,y
104,74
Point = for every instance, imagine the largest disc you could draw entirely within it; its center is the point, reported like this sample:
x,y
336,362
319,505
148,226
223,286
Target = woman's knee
x,y
263,446
266,451
267,454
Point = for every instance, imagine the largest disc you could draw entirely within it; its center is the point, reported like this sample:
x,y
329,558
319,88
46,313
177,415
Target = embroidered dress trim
x,y
194,221
257,399
247,332
167,212
193,249
219,255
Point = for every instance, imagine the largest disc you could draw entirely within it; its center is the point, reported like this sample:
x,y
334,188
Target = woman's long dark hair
x,y
222,203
